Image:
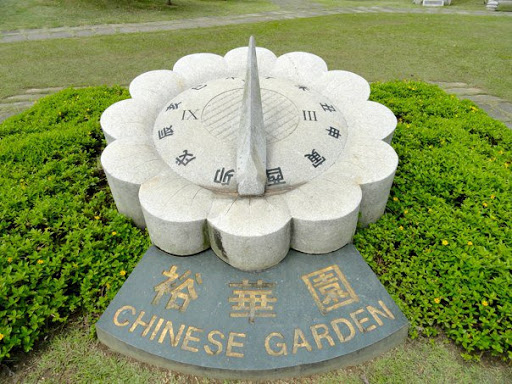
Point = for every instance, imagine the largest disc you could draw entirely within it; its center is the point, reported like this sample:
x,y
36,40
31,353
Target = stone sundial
x,y
251,159
270,162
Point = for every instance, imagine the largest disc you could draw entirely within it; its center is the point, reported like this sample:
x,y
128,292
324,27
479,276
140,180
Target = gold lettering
x,y
303,343
168,328
282,346
232,343
139,321
157,328
189,337
151,322
359,322
334,325
375,312
217,343
319,336
121,310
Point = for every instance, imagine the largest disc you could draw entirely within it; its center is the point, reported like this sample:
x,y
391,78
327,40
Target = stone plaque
x,y
198,315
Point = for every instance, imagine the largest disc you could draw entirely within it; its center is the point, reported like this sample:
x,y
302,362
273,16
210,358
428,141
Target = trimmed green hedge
x,y
443,249
63,246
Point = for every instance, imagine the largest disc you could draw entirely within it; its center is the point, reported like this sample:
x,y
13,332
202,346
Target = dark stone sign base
x,y
198,315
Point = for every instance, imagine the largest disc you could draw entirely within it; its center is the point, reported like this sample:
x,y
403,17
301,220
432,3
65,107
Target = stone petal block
x,y
157,87
368,119
250,234
127,118
128,163
175,211
343,85
236,60
201,67
305,68
325,213
371,164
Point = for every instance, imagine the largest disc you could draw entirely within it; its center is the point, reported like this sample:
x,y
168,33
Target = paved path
x,y
290,9
494,106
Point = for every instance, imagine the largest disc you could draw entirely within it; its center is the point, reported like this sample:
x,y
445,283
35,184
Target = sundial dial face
x,y
196,133
274,166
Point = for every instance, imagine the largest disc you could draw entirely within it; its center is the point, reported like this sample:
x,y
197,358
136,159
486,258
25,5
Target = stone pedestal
x,y
200,316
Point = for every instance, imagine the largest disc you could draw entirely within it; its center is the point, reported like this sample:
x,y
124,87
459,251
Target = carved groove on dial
x,y
221,116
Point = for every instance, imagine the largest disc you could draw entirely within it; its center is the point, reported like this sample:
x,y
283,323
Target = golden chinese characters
x,y
329,288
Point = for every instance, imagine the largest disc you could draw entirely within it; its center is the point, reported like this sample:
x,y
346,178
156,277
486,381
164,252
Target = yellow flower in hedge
x,y
40,261
406,212
470,242
1,336
493,197
122,273
485,303
401,228
437,300
484,204
9,259
96,217
395,198
444,242
114,233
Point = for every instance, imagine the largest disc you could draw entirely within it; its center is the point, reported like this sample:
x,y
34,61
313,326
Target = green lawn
x,y
72,357
56,13
376,46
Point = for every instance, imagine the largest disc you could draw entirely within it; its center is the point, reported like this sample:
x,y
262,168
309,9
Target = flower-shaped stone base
x,y
249,233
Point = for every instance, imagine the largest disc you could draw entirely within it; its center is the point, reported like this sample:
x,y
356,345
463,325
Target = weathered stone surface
x,y
251,157
198,318
250,233
343,85
304,68
171,227
371,164
368,119
157,87
127,118
325,213
236,60
128,163
201,67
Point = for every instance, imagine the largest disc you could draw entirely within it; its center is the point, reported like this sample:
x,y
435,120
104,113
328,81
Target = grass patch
x,y
73,357
58,13
379,47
